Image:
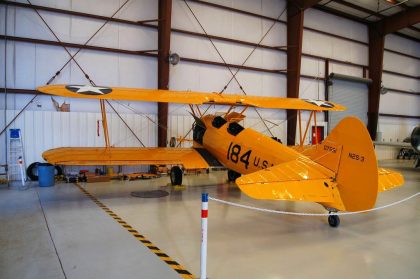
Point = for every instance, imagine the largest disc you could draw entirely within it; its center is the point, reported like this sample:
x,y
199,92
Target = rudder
x,y
349,152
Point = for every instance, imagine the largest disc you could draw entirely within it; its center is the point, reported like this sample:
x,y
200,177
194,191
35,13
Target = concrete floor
x,y
84,242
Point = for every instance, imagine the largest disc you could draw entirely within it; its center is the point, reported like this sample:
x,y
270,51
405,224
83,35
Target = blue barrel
x,y
45,175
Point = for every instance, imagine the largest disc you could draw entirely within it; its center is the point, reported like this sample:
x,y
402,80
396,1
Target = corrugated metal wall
x,y
393,130
42,130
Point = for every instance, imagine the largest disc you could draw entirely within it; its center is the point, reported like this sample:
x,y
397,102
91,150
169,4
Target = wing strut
x,y
300,128
306,129
104,122
302,139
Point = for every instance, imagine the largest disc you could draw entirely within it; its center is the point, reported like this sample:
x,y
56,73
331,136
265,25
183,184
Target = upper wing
x,y
185,97
90,156
296,181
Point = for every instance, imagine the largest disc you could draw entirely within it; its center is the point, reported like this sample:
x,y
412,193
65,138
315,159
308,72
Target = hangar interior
x,y
320,50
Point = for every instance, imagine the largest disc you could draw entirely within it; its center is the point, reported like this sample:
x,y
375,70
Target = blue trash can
x,y
46,175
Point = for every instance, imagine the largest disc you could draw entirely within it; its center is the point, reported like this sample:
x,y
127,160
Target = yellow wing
x,y
185,97
190,158
295,181
388,179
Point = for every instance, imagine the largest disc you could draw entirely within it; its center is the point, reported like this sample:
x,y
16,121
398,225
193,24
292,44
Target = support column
x,y
164,43
376,55
327,83
294,55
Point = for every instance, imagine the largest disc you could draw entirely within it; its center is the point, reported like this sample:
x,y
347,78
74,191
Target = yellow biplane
x,y
341,173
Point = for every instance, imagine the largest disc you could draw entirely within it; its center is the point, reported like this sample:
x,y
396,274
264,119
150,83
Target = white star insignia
x,y
320,103
88,88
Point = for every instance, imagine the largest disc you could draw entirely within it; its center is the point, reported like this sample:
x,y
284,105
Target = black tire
x,y
417,163
172,142
176,176
233,175
153,169
32,171
58,170
333,221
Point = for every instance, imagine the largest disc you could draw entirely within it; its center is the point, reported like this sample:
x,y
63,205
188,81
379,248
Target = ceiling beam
x,y
164,43
399,21
359,8
339,13
358,19
304,4
295,13
370,12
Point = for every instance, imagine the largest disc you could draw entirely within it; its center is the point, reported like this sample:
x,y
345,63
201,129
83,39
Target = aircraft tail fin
x,y
348,151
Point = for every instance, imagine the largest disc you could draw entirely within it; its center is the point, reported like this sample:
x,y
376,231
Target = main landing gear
x,y
176,176
233,175
333,221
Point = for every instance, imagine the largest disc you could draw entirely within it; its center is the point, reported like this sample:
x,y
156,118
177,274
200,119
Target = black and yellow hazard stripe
x,y
163,256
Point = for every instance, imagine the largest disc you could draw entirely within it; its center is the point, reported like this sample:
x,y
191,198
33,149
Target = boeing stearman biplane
x,y
341,173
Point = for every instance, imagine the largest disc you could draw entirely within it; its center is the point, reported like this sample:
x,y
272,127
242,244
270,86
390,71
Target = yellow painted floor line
x,y
141,238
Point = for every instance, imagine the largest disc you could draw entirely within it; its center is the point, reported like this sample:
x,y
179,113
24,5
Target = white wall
x,y
396,129
43,130
30,65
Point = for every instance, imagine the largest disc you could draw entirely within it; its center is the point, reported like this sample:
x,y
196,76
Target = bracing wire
x,y
58,72
227,66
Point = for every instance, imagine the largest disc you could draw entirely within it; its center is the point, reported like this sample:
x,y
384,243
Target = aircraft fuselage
x,y
242,150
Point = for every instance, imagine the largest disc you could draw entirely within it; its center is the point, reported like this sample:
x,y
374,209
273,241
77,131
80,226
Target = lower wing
x,y
190,158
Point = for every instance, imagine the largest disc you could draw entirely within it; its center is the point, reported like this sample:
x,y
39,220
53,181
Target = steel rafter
x,y
377,32
164,43
295,14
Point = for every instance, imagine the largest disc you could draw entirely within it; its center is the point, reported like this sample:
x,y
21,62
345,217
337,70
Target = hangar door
x,y
351,92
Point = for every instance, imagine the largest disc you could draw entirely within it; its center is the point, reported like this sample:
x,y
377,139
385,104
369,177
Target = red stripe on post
x,y
204,213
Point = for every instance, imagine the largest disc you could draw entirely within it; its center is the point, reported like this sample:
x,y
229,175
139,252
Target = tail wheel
x,y
233,175
333,221
176,176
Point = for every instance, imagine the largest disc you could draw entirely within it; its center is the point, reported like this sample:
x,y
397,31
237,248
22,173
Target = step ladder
x,y
16,164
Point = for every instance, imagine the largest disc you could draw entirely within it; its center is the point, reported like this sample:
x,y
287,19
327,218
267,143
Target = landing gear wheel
x,y
176,176
333,221
233,175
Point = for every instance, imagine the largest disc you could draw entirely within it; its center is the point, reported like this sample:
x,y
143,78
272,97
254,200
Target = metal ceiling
x,y
367,11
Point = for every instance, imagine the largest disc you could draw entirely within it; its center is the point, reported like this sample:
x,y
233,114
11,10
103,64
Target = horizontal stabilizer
x,y
299,180
388,179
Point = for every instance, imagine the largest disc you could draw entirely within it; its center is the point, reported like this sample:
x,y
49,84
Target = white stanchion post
x,y
204,215
22,175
